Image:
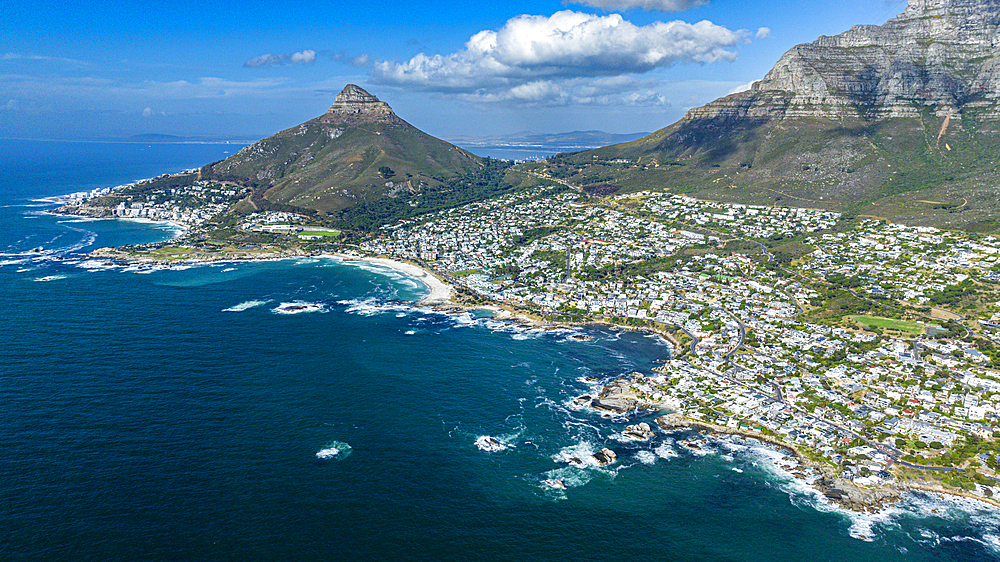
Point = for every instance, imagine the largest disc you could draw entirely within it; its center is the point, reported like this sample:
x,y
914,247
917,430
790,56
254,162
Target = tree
x,y
386,171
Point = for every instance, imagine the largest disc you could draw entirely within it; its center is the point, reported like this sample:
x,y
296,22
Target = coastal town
x,y
866,347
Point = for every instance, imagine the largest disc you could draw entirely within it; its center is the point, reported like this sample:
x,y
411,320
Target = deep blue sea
x,y
176,415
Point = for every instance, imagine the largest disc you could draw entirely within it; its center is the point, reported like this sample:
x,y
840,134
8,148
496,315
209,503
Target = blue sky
x,y
97,69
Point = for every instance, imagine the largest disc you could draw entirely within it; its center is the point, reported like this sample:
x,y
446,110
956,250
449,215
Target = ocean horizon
x,y
305,409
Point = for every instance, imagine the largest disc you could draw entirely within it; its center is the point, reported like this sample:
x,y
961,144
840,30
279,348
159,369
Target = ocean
x,y
177,414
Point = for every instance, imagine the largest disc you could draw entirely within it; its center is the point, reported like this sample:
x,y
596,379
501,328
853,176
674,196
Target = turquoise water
x,y
178,415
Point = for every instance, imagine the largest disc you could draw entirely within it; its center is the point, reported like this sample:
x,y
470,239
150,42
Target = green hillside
x,y
893,168
341,159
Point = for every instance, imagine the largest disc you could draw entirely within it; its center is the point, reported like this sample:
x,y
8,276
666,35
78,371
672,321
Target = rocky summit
x,y
355,103
898,121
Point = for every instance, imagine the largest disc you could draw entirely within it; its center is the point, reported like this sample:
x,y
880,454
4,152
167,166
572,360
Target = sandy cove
x,y
440,292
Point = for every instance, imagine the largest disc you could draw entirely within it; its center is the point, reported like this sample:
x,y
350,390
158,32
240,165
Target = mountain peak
x,y
919,8
356,94
938,55
353,100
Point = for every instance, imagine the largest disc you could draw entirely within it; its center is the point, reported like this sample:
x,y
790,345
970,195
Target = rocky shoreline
x,y
615,397
620,396
119,256
823,477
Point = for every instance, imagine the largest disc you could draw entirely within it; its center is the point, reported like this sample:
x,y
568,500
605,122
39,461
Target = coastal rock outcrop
x,y
624,395
605,456
669,422
851,496
639,432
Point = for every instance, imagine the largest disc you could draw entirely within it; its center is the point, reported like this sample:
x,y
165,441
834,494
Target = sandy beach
x,y
440,292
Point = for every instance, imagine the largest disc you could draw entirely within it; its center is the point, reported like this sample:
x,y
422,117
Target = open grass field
x,y
888,323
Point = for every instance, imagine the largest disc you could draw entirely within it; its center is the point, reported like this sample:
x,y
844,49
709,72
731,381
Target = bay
x,y
177,414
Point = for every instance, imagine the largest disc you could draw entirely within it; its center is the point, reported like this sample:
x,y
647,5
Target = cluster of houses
x,y
752,360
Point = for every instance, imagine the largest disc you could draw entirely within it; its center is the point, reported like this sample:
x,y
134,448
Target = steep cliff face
x,y
900,120
359,150
354,105
938,54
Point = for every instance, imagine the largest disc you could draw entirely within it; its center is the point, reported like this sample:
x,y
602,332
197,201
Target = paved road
x,y
743,336
694,340
930,468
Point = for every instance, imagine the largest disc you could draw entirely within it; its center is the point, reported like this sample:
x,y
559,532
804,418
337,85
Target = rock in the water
x,y
851,496
605,456
671,421
490,444
616,405
639,431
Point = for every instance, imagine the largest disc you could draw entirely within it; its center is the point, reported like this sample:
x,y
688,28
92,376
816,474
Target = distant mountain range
x,y
553,142
161,138
900,121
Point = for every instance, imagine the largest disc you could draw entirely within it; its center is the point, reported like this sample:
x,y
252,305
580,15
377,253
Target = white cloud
x,y
150,112
565,45
11,105
741,88
19,56
763,32
607,91
358,61
648,5
307,56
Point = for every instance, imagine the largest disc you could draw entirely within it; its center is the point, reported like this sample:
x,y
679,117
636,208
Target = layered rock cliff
x,y
900,120
354,105
938,54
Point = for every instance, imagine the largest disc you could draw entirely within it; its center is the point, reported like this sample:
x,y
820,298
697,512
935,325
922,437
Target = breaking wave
x,y
246,305
298,307
334,450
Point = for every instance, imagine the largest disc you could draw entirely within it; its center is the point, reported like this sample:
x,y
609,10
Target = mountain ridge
x,y
898,121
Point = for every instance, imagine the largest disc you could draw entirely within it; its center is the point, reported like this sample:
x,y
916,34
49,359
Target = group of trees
x,y
485,183
953,294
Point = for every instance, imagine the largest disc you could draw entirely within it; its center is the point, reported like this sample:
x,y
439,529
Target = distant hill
x,y
162,138
550,142
358,151
900,121
156,137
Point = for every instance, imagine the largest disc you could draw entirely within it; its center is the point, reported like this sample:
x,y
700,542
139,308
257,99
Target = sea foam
x,y
334,450
298,307
246,305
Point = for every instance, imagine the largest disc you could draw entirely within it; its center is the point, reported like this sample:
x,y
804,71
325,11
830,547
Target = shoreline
x,y
881,495
180,229
440,292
